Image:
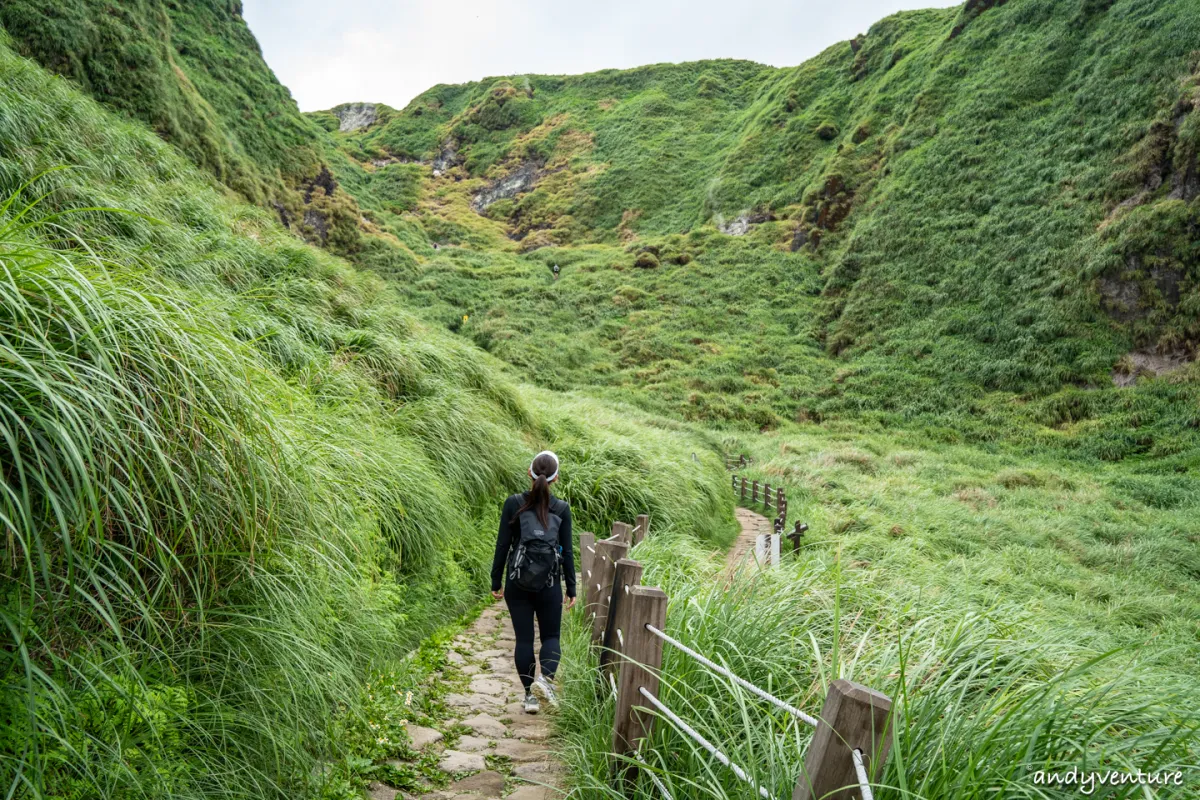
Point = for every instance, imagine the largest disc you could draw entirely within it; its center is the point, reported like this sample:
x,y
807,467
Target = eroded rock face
x,y
355,116
1146,363
522,179
446,158
741,225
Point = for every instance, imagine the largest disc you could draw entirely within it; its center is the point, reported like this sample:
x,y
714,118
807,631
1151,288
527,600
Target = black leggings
x,y
547,605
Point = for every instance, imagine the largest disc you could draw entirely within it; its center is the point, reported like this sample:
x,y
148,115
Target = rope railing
x,y
657,781
745,684
860,770
628,623
705,743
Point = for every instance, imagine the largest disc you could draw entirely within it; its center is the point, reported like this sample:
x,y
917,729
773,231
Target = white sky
x,y
389,52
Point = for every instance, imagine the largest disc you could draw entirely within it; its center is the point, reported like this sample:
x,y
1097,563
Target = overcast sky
x,y
336,51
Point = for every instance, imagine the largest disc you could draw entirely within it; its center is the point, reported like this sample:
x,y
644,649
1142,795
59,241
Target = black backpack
x,y
536,561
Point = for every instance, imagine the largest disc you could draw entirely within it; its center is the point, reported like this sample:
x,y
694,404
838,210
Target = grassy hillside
x,y
968,220
239,476
927,279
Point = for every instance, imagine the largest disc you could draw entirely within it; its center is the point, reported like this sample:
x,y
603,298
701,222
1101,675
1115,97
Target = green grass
x,y
983,699
243,474
239,477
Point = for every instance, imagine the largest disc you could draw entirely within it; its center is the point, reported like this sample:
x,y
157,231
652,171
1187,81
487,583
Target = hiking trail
x,y
490,706
742,550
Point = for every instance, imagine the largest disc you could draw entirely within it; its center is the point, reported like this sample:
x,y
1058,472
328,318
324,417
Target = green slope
x,y
238,475
973,219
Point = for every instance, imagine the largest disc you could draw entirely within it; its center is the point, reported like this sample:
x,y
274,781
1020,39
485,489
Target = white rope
x,y
745,684
621,638
700,740
657,781
613,684
591,549
863,783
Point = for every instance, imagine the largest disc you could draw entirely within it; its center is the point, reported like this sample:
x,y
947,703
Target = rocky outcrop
x,y
1147,363
741,225
520,180
446,158
322,180
355,116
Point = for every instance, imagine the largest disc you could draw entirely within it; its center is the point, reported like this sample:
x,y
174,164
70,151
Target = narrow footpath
x,y
506,753
742,551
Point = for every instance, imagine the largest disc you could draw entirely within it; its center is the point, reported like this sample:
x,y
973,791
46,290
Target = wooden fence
x,y
772,499
629,624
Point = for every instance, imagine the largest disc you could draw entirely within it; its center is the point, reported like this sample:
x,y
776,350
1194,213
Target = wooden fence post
x,y
796,535
781,499
587,557
639,666
608,553
754,497
628,573
766,495
643,528
620,532
853,718
743,488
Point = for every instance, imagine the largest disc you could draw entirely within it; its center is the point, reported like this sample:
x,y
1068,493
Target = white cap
x,y
539,455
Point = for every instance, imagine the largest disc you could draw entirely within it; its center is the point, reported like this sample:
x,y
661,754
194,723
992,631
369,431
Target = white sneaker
x,y
531,704
542,688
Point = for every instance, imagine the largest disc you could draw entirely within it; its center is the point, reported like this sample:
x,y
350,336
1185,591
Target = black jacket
x,y
510,531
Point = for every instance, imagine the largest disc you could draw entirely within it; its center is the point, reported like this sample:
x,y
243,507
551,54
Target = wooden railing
x,y
776,499
629,627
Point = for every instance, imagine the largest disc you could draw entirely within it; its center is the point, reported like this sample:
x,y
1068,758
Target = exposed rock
x,y
446,158
473,702
422,737
284,218
799,239
473,744
485,726
484,685
316,220
453,656
520,751
355,116
522,179
539,772
1147,363
741,225
324,180
535,793
458,761
488,784
381,791
494,653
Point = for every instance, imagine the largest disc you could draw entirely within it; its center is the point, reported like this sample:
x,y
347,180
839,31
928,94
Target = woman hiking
x,y
533,553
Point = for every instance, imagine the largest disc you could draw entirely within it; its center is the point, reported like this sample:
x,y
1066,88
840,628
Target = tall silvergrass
x,y
238,474
982,700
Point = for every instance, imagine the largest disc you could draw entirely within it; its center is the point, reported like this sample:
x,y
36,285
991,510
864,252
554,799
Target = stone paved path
x,y
742,552
507,752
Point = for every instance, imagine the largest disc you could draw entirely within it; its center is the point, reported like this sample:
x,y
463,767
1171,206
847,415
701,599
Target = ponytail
x,y
543,470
